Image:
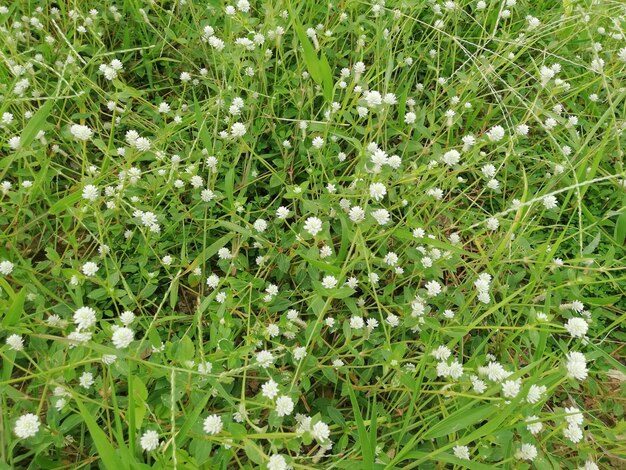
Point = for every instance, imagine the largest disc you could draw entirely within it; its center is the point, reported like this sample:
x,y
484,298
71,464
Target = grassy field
x,y
312,235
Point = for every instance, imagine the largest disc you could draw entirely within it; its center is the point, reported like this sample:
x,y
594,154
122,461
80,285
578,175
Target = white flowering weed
x,y
278,234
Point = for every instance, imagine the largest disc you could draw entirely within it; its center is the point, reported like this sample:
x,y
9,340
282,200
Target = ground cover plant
x,y
301,235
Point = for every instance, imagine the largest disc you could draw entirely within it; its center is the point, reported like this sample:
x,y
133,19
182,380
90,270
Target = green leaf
x,y
253,452
620,229
310,57
140,395
106,451
63,203
16,309
461,419
327,78
367,451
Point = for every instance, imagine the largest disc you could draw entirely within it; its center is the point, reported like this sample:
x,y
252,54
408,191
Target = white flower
x,y
493,223
589,465
378,191
277,462
282,213
264,359
526,452
320,431
6,267
433,288
15,342
213,424
576,365
373,98
284,405
409,118
511,388
269,389
357,323
213,281
441,353
299,353
90,269
574,433
205,368
535,393
318,142
27,426
149,440
550,202
356,214
238,130
576,327
84,318
91,192
461,452
207,195
260,225
81,132
122,337
382,216
534,426
313,225
329,282
86,380
496,133
451,157
142,144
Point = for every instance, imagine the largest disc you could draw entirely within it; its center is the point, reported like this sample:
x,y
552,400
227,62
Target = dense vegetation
x,y
278,234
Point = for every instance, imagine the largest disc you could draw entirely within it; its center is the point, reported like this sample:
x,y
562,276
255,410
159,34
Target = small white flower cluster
x,y
111,70
483,286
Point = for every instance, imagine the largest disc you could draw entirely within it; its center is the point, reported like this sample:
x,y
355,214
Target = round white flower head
x,y
260,225
90,269
535,393
313,225
84,318
86,379
91,192
81,132
27,426
534,426
269,389
277,462
238,130
321,431
213,424
526,452
576,365
15,342
127,317
495,134
329,282
451,157
318,142
284,405
461,452
550,202
6,267
433,288
282,213
577,327
378,191
149,440
122,337
356,214
264,359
